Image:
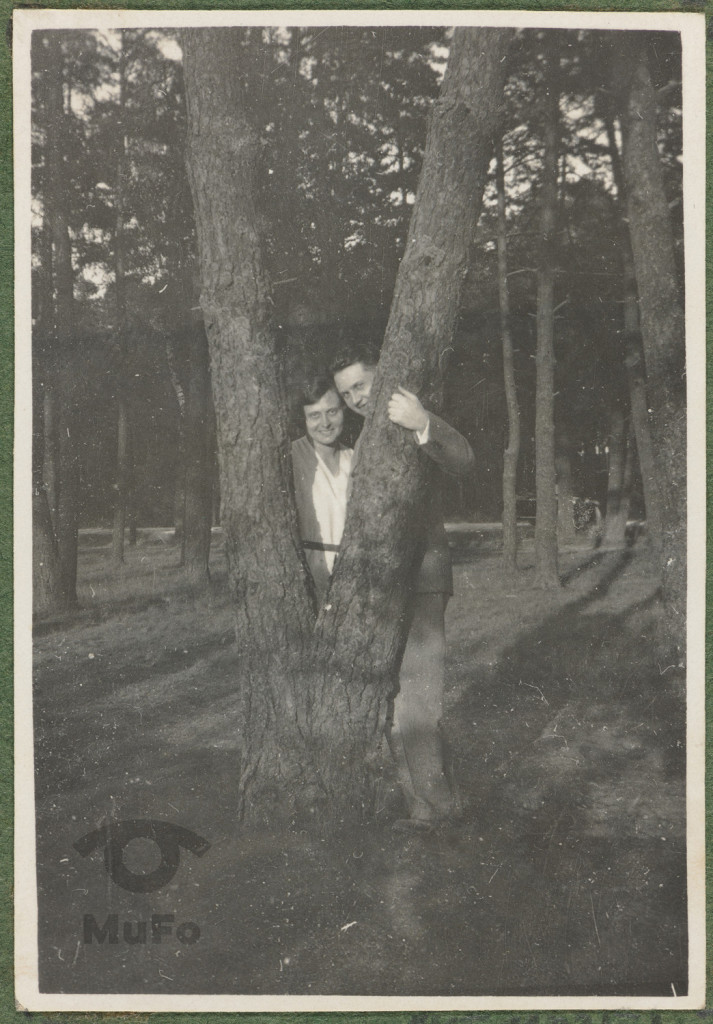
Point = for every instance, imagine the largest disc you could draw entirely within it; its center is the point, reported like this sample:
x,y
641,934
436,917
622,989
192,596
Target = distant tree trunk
x,y
512,451
121,481
66,524
51,469
635,373
198,494
618,480
179,493
545,469
662,326
314,706
634,362
48,590
565,489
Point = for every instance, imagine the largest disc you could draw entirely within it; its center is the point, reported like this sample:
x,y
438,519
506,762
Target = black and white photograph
x,y
360,510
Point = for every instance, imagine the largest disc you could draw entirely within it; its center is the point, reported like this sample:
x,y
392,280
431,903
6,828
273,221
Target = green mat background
x,y
8,1013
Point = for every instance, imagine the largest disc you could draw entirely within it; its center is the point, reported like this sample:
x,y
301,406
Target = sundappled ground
x,y
567,875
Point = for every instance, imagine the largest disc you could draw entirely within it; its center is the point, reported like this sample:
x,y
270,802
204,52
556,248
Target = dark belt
x,y
313,545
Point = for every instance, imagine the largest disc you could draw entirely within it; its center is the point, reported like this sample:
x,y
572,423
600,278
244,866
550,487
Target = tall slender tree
x,y
512,449
633,355
662,320
123,438
68,424
545,469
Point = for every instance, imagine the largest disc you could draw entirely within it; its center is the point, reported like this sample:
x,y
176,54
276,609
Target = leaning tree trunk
x,y
512,450
361,627
662,328
313,706
545,469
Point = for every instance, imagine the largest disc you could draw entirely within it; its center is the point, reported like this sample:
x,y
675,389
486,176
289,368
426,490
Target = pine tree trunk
x,y
51,448
662,328
361,627
121,483
314,705
273,610
640,419
120,329
545,468
566,535
634,362
512,451
67,515
49,595
198,494
618,489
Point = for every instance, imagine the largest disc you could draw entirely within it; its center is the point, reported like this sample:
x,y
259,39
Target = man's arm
x,y
439,440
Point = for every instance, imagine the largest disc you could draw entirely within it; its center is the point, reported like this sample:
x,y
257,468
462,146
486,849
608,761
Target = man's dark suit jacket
x,y
451,454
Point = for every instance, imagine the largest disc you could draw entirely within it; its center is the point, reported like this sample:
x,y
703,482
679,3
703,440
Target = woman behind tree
x,y
320,467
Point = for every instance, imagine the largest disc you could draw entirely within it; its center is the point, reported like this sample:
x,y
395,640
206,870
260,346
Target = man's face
x,y
354,385
325,419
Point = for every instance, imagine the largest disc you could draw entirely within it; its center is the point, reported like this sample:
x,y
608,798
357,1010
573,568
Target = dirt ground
x,y
567,875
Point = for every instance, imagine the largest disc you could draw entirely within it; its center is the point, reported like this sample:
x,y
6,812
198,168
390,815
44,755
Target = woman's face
x,y
325,419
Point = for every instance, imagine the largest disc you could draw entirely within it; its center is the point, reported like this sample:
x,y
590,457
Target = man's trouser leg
x,y
415,739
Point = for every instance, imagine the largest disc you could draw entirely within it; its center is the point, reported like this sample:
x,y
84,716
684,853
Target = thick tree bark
x,y
361,627
634,363
545,468
512,450
662,326
198,493
314,705
274,613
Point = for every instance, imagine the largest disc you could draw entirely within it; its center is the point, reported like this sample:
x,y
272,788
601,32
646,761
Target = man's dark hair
x,y
314,387
351,353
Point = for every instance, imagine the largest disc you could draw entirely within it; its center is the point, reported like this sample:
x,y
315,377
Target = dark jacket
x,y
450,453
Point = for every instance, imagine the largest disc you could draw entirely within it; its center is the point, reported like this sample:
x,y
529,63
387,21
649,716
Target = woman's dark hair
x,y
314,387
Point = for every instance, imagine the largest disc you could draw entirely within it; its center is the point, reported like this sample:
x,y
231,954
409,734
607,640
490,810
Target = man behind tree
x,y
415,735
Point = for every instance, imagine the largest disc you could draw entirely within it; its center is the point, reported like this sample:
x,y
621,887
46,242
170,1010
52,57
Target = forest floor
x,y
567,875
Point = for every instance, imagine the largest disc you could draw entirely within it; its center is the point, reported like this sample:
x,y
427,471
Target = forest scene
x,y
497,214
